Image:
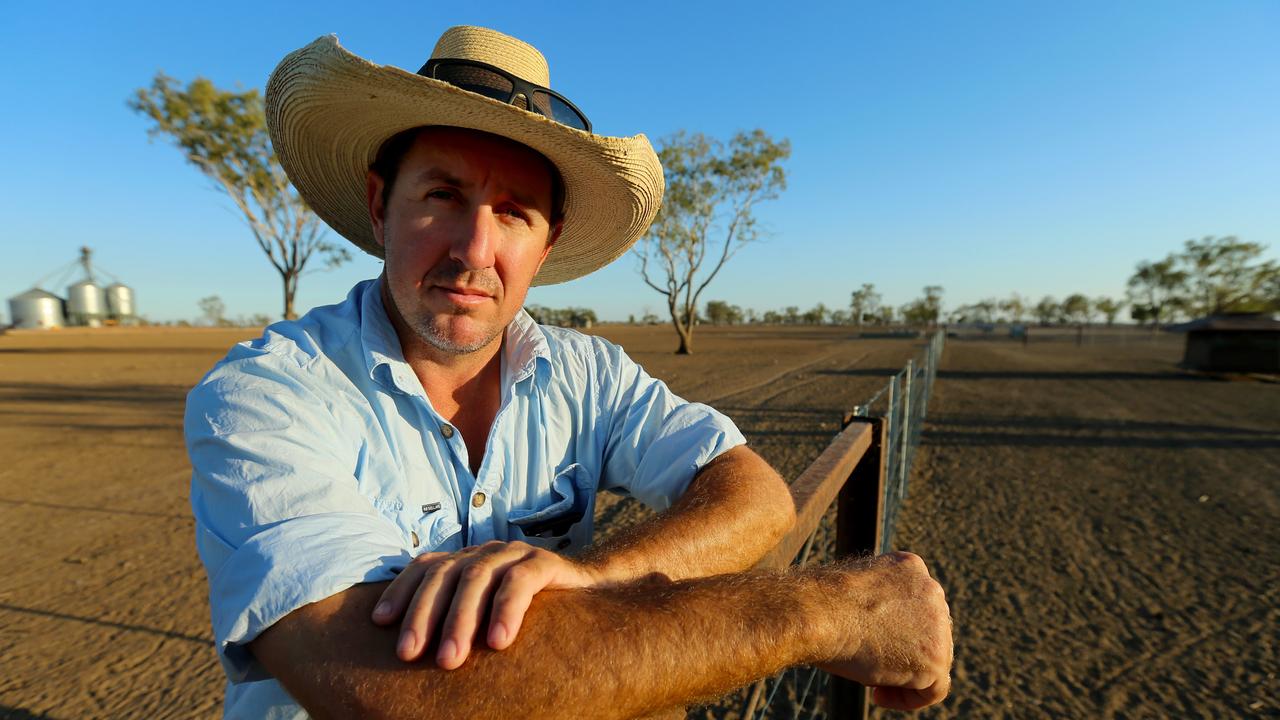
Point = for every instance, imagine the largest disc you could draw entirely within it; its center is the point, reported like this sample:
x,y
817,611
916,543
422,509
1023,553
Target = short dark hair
x,y
386,165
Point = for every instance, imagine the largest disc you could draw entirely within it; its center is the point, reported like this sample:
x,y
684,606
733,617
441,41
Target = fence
x,y
847,503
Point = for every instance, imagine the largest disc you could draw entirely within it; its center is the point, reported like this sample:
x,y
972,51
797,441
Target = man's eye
x,y
441,194
515,213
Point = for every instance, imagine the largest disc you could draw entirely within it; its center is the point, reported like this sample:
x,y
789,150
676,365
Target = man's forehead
x,y
467,156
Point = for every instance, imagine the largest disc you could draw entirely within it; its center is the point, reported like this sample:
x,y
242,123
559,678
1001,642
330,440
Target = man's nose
x,y
476,240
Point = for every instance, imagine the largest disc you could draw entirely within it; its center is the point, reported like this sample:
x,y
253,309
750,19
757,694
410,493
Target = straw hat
x,y
328,112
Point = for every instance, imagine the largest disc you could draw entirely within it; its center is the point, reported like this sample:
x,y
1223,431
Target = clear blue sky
x,y
990,147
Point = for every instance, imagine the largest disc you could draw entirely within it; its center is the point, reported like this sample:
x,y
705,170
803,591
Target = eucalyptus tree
x,y
707,215
863,302
223,133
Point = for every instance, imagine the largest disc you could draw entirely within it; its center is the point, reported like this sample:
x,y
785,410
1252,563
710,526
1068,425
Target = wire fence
x,y
903,402
803,692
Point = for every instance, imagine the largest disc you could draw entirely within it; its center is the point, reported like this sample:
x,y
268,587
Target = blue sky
x,y
985,147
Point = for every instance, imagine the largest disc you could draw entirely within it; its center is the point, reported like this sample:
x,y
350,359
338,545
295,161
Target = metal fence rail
x,y
847,502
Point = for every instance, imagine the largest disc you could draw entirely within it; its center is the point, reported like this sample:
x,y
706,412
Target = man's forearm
x,y
612,652
735,510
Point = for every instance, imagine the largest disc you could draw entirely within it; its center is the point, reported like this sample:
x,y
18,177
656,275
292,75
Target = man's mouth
x,y
463,295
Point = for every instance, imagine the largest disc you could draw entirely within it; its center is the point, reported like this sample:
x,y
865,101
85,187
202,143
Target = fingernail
x,y
497,635
407,643
383,608
448,651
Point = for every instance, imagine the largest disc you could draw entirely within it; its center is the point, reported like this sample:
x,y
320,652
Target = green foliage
x,y
573,317
720,312
1047,311
1109,308
817,315
213,311
707,214
1225,275
1076,308
1156,289
1014,308
863,304
925,310
223,133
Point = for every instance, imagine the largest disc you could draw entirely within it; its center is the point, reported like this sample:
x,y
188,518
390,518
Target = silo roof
x,y
35,294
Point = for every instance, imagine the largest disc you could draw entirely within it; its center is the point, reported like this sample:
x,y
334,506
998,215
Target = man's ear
x,y
377,212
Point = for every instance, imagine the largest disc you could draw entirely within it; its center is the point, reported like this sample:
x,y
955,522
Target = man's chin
x,y
457,335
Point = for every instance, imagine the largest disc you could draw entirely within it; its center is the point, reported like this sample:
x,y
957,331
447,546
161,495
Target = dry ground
x,y
1057,497
1107,530
102,608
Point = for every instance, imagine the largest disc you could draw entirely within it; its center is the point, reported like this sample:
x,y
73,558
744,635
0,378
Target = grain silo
x,y
36,308
120,307
86,303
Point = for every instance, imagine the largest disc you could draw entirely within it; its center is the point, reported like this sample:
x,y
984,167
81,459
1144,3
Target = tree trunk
x,y
685,331
686,342
290,288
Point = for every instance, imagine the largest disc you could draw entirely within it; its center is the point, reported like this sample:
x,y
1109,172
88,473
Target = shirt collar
x,y
382,352
524,345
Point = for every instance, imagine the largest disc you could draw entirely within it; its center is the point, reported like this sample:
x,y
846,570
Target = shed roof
x,y
1233,322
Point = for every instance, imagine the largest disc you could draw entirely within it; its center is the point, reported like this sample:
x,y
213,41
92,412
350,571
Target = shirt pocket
x,y
565,525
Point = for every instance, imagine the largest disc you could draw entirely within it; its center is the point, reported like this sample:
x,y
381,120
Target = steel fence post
x,y
905,435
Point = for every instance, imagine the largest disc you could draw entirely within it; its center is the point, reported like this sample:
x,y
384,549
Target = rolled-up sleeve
x,y
657,440
280,521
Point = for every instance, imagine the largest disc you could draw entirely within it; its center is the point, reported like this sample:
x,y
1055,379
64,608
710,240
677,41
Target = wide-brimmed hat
x,y
329,111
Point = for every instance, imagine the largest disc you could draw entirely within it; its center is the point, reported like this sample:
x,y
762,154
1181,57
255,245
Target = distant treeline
x,y
570,317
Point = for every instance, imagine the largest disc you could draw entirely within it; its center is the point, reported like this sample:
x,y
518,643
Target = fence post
x,y
859,530
905,433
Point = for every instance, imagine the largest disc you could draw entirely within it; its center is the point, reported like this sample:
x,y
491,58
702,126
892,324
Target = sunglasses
x,y
494,82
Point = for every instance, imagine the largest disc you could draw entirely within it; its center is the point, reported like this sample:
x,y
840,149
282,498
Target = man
x,y
412,473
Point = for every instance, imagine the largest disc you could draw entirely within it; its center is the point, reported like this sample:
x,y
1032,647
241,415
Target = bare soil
x,y
1106,527
103,609
1057,496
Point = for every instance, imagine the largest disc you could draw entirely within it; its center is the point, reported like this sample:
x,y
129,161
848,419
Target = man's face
x,y
465,229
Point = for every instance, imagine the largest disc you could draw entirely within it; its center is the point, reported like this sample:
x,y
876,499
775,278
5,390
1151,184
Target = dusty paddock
x,y
102,608
1057,497
1107,529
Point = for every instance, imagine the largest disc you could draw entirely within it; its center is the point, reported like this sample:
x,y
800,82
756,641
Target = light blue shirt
x,y
319,463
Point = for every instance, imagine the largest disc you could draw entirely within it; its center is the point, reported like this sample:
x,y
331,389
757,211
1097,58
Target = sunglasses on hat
x,y
494,82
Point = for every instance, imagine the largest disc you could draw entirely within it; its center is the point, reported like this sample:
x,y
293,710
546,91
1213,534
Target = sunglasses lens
x,y
475,79
556,109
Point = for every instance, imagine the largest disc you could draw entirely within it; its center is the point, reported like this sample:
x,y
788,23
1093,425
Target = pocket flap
x,y
571,496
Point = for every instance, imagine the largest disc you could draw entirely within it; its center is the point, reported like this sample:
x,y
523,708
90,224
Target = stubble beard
x,y
433,330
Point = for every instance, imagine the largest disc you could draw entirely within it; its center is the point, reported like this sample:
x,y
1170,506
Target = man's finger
x,y
396,597
470,601
902,698
429,604
511,600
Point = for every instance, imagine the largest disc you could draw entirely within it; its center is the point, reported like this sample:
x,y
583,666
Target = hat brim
x,y
329,111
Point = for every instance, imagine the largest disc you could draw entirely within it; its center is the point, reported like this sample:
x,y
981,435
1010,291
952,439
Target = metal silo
x,y
36,308
120,305
86,305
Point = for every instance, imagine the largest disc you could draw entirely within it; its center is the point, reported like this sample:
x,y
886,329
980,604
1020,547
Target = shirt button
x,y
446,431
477,500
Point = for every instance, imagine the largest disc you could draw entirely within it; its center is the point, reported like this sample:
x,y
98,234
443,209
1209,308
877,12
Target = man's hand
x,y
897,635
462,584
